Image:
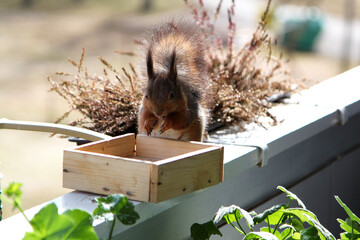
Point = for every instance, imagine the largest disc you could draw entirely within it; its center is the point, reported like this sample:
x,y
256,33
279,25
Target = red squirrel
x,y
177,73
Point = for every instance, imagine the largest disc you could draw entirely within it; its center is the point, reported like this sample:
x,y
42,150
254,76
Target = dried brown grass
x,y
108,103
241,81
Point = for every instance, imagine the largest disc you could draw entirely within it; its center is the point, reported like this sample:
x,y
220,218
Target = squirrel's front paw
x,y
166,125
149,125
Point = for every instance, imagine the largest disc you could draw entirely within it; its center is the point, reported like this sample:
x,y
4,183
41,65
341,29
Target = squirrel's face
x,y
163,95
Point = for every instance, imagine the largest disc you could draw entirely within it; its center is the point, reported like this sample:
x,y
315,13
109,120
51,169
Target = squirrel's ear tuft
x,y
172,69
149,65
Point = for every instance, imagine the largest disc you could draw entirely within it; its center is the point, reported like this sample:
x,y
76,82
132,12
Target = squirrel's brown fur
x,y
177,79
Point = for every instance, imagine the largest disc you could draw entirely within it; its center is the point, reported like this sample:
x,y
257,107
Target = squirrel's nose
x,y
159,113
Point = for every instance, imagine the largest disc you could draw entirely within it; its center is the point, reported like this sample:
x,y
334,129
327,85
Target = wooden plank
x,y
122,146
175,178
161,148
104,174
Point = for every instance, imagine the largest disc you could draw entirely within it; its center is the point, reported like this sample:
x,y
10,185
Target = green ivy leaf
x,y
347,210
233,213
204,231
271,213
260,235
349,225
116,205
310,233
292,196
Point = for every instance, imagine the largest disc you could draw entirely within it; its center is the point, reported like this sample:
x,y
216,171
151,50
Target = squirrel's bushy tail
x,y
189,43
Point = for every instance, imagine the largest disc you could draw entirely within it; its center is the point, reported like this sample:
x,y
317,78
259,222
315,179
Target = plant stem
x,y
112,228
289,203
240,226
16,205
352,230
22,211
242,232
277,225
268,222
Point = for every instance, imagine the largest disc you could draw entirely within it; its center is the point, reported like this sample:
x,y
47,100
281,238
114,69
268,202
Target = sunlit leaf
x,y
300,213
292,196
116,205
349,225
287,232
347,210
233,213
82,225
260,235
71,225
346,235
271,230
274,219
322,230
48,224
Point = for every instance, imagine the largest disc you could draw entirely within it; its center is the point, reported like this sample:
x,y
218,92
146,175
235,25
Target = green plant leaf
x,y
82,225
204,231
71,225
276,233
14,192
292,196
347,210
273,212
346,235
233,213
300,213
310,233
296,224
296,236
322,230
349,225
287,232
287,226
260,235
48,224
343,236
116,205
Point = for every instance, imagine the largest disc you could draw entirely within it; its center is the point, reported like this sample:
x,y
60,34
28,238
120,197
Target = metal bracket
x,y
343,117
263,152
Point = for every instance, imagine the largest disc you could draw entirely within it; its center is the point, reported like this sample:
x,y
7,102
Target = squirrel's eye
x,y
172,96
146,96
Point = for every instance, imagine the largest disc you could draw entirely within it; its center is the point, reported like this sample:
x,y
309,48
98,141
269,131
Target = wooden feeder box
x,y
152,170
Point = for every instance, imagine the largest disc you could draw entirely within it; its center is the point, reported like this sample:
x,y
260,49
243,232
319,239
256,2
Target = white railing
x,y
317,126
